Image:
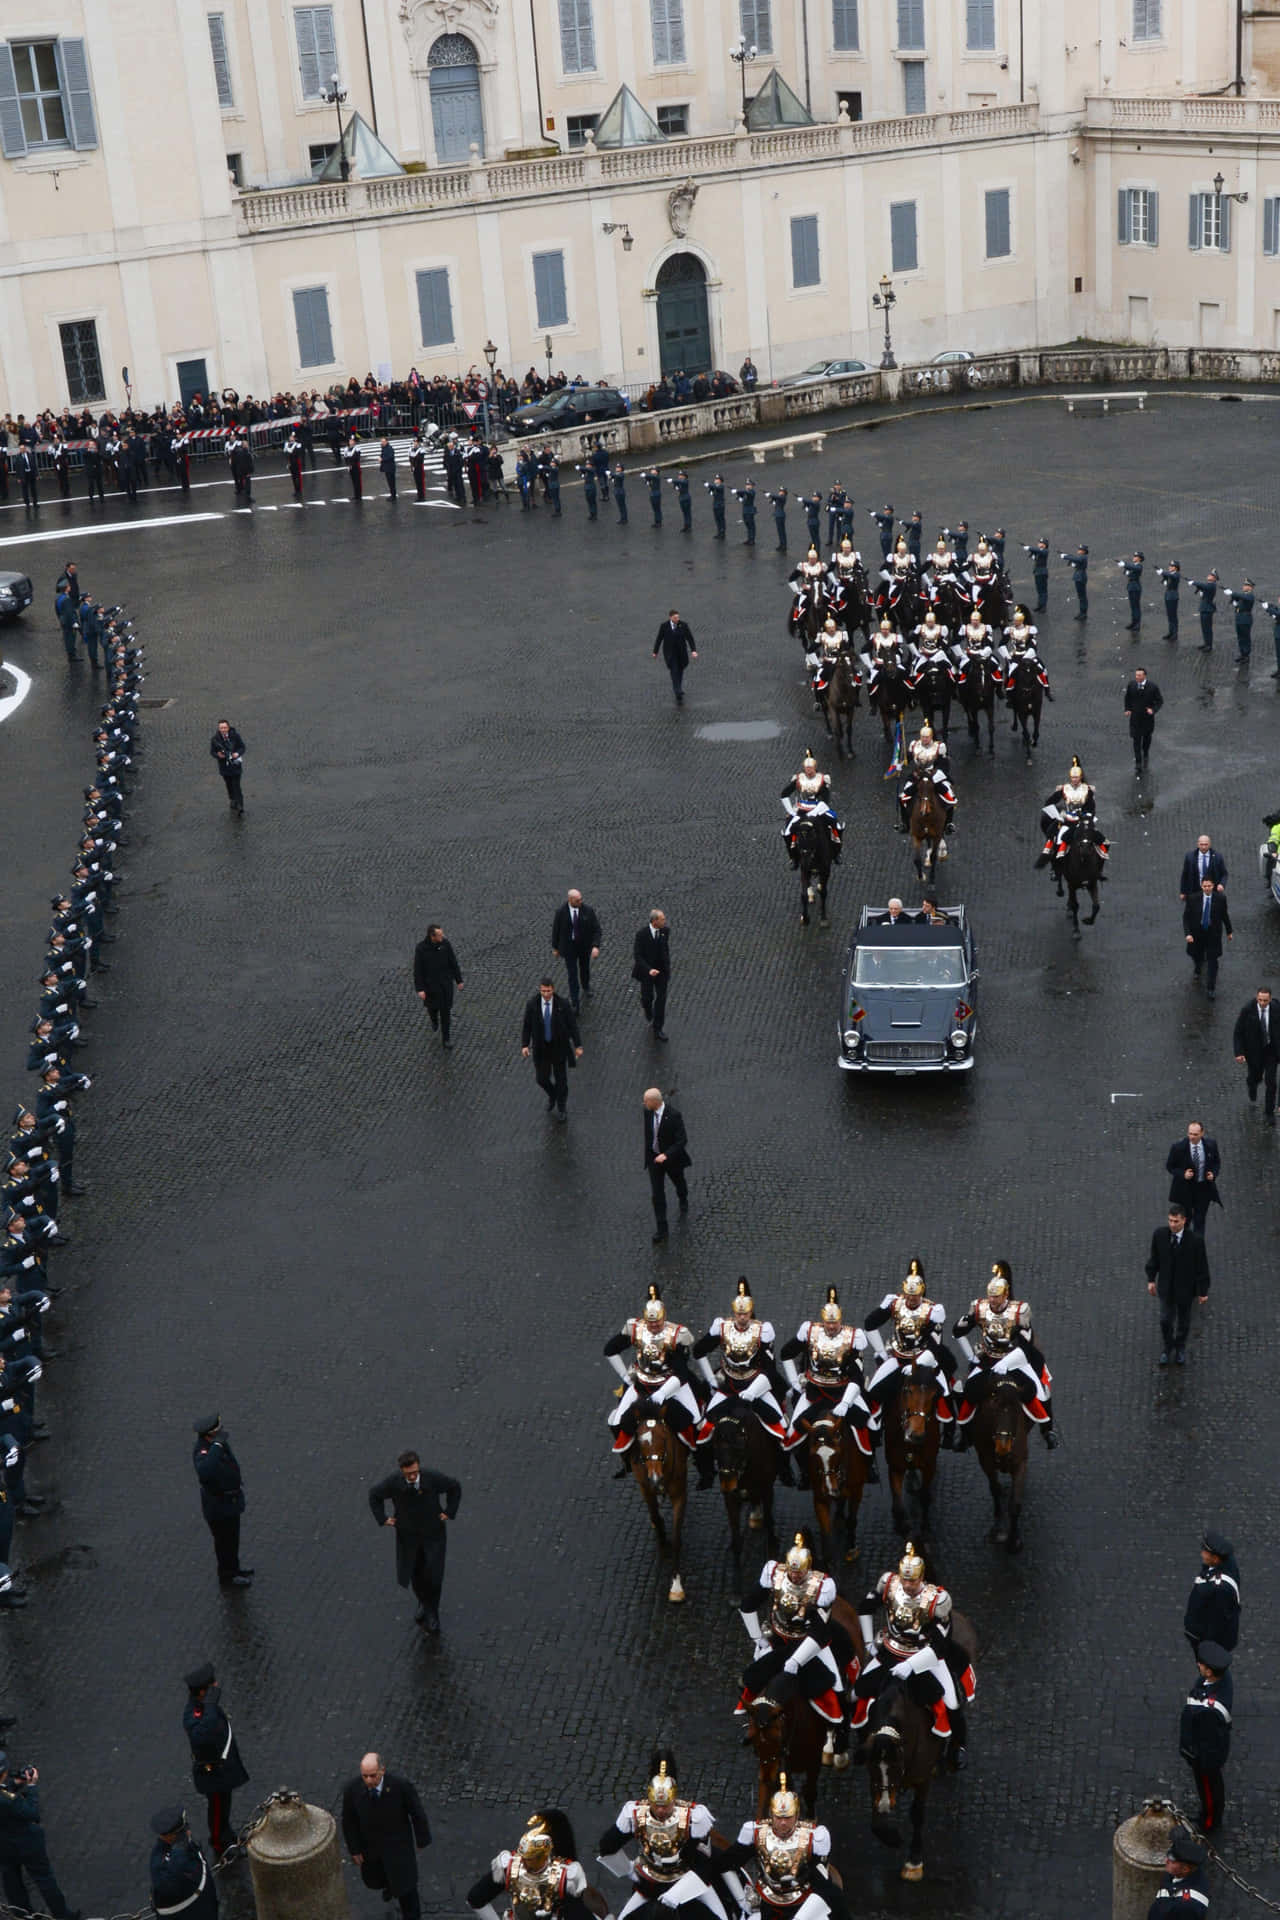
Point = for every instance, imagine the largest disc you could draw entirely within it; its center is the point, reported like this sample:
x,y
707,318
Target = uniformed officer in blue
x,y
996,542
549,468
589,490
885,522
653,481
180,1878
837,501
1204,1730
216,1767
746,498
1213,1605
812,504
1172,577
221,1498
1184,1890
1242,602
1133,587
915,532
680,481
618,476
23,1853
1039,554
599,457
715,487
1271,607
778,501
1208,592
959,538
1079,565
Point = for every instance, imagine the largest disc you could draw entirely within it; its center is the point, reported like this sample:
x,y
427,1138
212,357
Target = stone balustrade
x,y
1177,113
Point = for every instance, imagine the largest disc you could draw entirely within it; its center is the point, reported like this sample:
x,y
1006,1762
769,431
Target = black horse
x,y
977,695
812,853
1081,868
838,696
933,686
747,1465
891,695
1025,693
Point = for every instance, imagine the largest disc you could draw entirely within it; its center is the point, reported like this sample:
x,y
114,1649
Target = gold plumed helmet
x,y
913,1285
901,546
1077,771
998,1284
535,1844
831,1315
654,1312
799,1559
926,731
911,1566
810,761
812,554
846,545
661,1791
784,1804
742,1301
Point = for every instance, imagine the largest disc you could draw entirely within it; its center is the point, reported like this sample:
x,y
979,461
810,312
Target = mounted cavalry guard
x,y
846,563
799,1652
808,795
823,653
832,1378
659,1373
784,1859
540,1880
744,1371
931,641
1021,642
941,561
975,640
917,1325
672,1863
914,1645
1070,810
926,760
1006,1350
984,571
810,571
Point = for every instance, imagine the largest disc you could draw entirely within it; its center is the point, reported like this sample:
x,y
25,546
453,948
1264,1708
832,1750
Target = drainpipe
x,y
1239,86
804,28
368,66
537,77
1022,58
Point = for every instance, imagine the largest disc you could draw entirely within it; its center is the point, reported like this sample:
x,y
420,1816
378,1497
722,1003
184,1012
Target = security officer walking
x,y
1039,554
1213,1605
1204,1730
1079,565
715,487
1243,602
1142,702
221,1498
1208,592
180,1878
1133,587
1185,1887
23,1853
680,481
778,501
653,481
216,1767
1172,577
746,498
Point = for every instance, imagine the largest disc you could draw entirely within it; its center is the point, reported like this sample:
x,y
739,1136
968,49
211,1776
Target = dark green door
x,y
684,323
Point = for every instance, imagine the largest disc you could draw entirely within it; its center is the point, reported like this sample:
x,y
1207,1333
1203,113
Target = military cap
x,y
199,1677
1217,1543
1210,1654
168,1820
208,1425
1185,1847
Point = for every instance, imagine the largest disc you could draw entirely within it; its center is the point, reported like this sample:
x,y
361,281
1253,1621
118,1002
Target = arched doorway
x,y
684,322
454,80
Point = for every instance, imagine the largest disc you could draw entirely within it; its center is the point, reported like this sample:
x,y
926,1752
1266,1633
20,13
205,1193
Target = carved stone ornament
x,y
680,208
447,14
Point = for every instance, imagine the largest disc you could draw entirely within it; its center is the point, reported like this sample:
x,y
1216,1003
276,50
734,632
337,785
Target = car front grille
x,y
905,1050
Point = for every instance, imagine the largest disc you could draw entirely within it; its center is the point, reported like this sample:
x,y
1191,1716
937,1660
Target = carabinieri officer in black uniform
x,y
221,1498
1204,1731
1213,1605
180,1878
1185,1888
216,1767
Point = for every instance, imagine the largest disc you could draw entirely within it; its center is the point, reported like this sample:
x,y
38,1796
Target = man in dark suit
x,y
1177,1274
1142,702
1193,1166
576,936
435,975
384,1827
415,1493
1256,1045
666,1155
241,472
675,643
1202,863
550,1033
651,966
29,476
1204,921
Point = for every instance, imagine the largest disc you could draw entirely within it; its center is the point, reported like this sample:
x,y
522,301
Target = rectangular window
x,y
1210,226
757,24
235,167
998,242
45,98
317,49
318,152
674,121
1147,21
549,290
577,37
910,25
844,26
913,96
311,317
980,26
1271,226
435,308
1138,222
668,32
805,270
221,61
851,101
576,128
902,236
82,361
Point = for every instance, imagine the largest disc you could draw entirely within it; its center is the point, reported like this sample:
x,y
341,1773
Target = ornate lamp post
x,y
619,226
336,97
886,300
491,356
743,55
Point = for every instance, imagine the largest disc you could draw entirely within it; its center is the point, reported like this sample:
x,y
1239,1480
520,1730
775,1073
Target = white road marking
x,y
1124,1096
114,526
22,683
452,505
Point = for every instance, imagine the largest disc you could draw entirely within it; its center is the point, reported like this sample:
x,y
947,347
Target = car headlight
x,y
959,1039
852,1038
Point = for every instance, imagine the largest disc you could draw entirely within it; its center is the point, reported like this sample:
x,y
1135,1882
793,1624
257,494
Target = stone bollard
x,y
1138,1852
296,1864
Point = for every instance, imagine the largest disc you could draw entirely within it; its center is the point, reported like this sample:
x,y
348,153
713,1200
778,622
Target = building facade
x,y
1025,170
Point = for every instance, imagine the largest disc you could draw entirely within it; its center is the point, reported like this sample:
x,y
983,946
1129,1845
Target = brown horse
x,y
999,1438
660,1466
927,827
837,1475
787,1736
912,1436
902,1755
747,1463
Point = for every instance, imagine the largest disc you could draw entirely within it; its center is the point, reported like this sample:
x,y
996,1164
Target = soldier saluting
x,y
180,1878
216,1767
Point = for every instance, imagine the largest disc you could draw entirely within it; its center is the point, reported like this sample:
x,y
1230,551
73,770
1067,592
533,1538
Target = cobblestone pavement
x,y
306,1214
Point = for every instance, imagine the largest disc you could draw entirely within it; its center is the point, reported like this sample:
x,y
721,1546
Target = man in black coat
x,y
221,1498
180,1878
666,1156
216,1767
435,975
651,966
1142,702
576,936
1202,863
1204,1730
1194,1165
227,748
1213,1604
415,1493
1205,919
29,476
242,472
1256,1045
384,1827
550,1033
1177,1274
675,643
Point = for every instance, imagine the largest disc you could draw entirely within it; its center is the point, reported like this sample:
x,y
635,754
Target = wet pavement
x,y
306,1214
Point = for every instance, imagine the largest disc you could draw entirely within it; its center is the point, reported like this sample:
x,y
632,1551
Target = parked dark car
x,y
571,407
907,995
15,594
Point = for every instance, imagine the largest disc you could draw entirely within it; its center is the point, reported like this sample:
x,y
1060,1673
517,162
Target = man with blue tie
x,y
551,1035
1204,920
1202,863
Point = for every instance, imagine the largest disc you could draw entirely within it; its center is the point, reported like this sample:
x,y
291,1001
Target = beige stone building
x,y
1025,170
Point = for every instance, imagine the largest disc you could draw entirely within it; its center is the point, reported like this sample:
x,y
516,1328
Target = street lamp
x,y
336,96
1219,195
886,299
491,355
743,55
546,348
618,226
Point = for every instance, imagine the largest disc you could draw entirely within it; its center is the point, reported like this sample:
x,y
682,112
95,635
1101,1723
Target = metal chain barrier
x,y
1170,1806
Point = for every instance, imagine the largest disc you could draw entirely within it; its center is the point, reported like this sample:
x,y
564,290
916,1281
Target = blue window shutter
x,y
1225,233
76,94
315,336
1270,226
902,236
668,32
12,137
844,26
980,22
1124,216
804,251
549,289
1197,217
221,63
577,36
435,308
308,64
1153,218
997,210
914,99
757,24
911,23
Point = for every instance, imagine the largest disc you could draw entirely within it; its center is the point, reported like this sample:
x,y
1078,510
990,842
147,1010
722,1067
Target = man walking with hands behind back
x,y
666,1156
415,1494
1256,1044
1177,1274
384,1828
675,643
651,966
435,975
575,938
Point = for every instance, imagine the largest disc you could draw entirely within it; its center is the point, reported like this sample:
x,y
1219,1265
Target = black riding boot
x,y
957,1751
786,1472
963,1438
705,1461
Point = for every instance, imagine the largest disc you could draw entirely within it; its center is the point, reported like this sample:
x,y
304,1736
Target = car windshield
x,y
909,967
819,366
